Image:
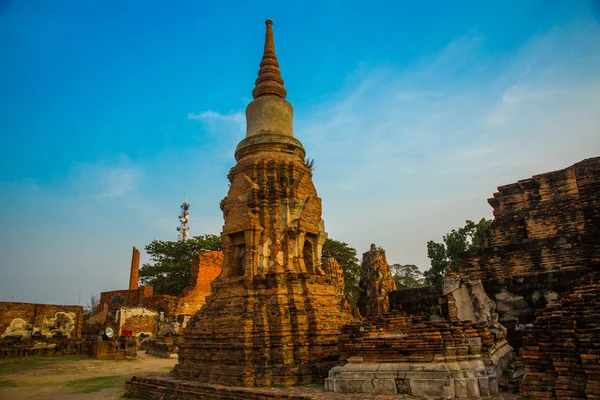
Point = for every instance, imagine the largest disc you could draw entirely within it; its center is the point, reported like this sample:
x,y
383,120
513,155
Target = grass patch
x,y
95,384
7,383
29,363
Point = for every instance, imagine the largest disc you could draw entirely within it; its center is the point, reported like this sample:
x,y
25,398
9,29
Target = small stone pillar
x,y
135,270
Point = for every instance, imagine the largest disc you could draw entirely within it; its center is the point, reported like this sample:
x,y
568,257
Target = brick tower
x,y
274,315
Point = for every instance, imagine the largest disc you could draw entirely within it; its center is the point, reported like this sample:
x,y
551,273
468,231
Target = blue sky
x,y
112,113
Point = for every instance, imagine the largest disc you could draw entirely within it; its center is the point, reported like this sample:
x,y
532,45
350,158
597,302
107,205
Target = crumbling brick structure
x,y
549,222
376,283
545,235
206,269
138,312
562,349
458,355
410,355
274,315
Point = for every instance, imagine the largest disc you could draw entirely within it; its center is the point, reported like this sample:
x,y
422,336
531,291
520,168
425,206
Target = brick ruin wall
x,y
562,350
29,319
518,298
426,301
142,313
207,267
39,329
421,340
545,235
449,344
106,312
395,353
550,222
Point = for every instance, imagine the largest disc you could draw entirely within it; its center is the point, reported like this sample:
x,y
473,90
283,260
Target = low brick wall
x,y
424,301
124,347
27,319
41,347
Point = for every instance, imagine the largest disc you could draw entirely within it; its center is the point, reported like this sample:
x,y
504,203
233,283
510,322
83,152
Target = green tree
x,y
406,276
170,267
445,255
351,268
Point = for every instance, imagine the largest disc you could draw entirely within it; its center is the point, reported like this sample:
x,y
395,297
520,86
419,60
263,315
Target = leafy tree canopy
x,y
445,255
170,267
351,268
406,276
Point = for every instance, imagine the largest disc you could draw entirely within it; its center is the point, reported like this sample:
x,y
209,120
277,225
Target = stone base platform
x,y
448,380
165,387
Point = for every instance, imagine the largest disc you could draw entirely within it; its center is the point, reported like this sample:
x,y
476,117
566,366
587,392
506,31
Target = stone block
x,y
351,386
472,387
494,388
460,389
427,387
484,386
384,386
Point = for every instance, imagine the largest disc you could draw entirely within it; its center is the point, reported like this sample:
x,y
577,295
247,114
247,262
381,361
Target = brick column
x,y
135,270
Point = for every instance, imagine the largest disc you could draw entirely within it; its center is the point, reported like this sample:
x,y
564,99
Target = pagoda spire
x,y
269,80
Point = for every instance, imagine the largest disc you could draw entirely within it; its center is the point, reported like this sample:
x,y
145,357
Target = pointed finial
x,y
269,80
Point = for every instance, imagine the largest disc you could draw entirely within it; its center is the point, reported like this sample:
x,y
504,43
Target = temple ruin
x,y
545,236
276,316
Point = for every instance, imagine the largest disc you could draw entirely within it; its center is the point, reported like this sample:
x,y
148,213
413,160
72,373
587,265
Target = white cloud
x,y
206,115
422,148
117,182
105,180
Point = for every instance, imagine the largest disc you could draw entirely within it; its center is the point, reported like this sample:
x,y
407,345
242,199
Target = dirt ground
x,y
73,377
82,377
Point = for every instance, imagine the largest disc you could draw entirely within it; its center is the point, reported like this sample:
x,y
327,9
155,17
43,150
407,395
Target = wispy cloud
x,y
411,153
104,180
225,125
429,143
207,115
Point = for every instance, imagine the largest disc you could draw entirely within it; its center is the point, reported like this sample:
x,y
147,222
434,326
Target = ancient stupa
x,y
274,315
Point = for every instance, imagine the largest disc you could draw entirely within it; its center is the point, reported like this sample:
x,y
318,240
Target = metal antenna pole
x,y
184,218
